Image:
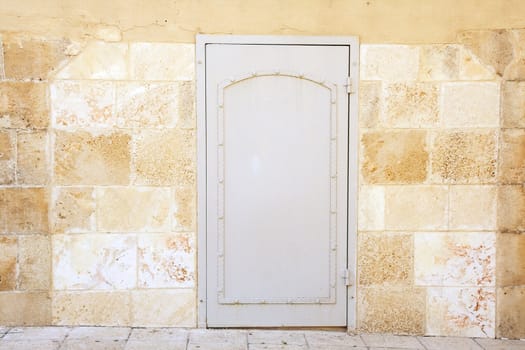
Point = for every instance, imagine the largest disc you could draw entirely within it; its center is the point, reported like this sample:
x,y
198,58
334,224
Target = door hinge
x,y
347,276
349,86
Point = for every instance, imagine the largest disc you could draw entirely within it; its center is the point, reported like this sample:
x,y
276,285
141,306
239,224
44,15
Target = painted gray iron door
x,y
277,136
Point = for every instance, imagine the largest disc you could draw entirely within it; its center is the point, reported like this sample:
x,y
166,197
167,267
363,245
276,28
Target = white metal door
x,y
276,120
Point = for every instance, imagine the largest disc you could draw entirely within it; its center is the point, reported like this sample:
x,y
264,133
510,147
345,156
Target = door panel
x,y
276,184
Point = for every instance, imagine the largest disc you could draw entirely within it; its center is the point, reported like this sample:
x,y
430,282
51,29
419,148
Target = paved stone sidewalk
x,y
121,338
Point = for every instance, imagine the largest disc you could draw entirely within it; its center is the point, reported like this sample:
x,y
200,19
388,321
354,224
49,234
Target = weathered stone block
x,y
472,68
439,62
91,308
416,207
166,260
385,259
411,105
389,62
164,308
455,259
8,260
162,61
510,259
369,104
511,314
34,262
82,104
94,261
463,312
85,159
25,309
32,162
33,59
512,156
493,47
371,208
7,157
513,104
185,215
142,105
511,208
165,157
467,157
139,209
391,310
470,104
98,60
186,107
394,157
26,210
73,210
23,105
473,207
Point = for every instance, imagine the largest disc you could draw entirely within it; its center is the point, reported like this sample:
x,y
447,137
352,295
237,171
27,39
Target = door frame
x,y
353,147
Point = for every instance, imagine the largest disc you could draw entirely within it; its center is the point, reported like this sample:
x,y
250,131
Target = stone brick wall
x,y
441,205
97,146
97,185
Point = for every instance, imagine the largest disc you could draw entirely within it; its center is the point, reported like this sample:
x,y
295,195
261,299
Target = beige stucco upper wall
x,y
374,21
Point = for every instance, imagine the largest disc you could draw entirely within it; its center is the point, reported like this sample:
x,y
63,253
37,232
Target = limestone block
x,y
455,259
493,47
25,309
511,314
165,157
510,259
73,210
394,157
369,104
411,105
82,104
513,104
7,157
85,159
3,211
34,262
26,210
186,108
371,208
385,259
162,61
98,60
439,62
137,209
416,207
512,156
511,208
463,312
8,258
32,160
166,260
185,212
164,308
142,105
23,105
94,261
389,62
33,59
91,308
397,310
473,207
470,104
472,68
467,157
